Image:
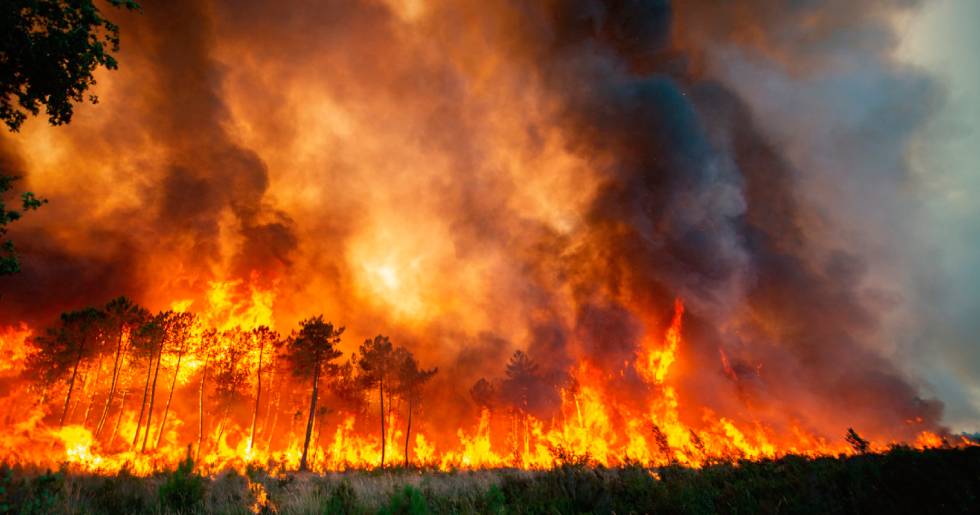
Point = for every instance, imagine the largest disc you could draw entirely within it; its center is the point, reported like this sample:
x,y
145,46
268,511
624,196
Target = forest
x,y
106,363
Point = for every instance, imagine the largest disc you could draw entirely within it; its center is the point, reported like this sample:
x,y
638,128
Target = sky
x,y
476,177
942,38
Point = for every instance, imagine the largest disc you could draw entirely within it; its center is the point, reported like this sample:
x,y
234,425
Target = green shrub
x,y
37,495
494,501
183,489
123,493
407,501
342,500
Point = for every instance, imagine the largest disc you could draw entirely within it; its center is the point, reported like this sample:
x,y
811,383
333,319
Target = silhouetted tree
x,y
523,377
311,352
122,318
146,345
207,345
347,388
410,382
484,394
9,264
379,366
860,445
60,352
231,373
179,326
50,49
261,338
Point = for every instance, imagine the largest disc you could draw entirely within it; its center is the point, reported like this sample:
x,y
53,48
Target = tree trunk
x,y
146,391
79,392
319,433
112,387
173,384
408,429
222,425
95,389
275,409
200,409
122,411
71,387
309,421
153,395
270,402
258,397
381,399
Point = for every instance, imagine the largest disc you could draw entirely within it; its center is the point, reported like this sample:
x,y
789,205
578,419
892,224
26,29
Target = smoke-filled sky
x,y
941,39
478,177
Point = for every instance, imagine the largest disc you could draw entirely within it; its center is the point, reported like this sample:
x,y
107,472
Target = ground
x,y
902,480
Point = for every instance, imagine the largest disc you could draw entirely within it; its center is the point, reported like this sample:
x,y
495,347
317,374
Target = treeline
x,y
108,358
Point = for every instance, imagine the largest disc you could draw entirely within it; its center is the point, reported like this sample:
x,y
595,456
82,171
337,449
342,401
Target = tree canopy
x,y
49,50
9,264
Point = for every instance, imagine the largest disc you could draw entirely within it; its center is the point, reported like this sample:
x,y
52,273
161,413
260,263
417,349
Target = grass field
x,y
899,481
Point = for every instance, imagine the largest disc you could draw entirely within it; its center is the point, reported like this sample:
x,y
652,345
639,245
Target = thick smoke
x,y
478,177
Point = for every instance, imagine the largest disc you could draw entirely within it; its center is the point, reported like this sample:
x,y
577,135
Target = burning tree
x,y
60,353
179,326
484,394
231,371
261,337
148,345
523,377
311,351
378,366
860,445
123,317
411,379
206,348
347,389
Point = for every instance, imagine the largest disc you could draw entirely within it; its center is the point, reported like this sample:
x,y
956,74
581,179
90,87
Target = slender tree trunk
x,y
316,440
200,409
408,430
79,392
146,391
95,389
153,395
309,421
222,424
381,399
122,411
275,416
270,401
71,387
112,387
173,384
258,397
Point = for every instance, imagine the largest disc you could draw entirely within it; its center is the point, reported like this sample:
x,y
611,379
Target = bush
x,y
407,501
183,489
28,495
123,493
342,500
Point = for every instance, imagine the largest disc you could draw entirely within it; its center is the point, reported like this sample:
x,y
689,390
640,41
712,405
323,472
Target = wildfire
x,y
230,398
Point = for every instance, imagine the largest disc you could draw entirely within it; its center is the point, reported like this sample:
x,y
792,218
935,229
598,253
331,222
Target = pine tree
x,y
410,382
377,363
310,352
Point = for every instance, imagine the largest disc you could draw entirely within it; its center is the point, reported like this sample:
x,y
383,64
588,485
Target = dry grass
x,y
902,480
